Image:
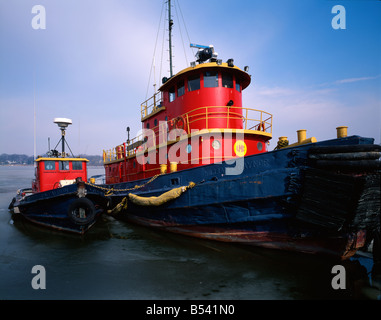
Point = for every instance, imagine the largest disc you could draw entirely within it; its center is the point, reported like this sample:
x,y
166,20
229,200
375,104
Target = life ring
x,y
180,122
81,211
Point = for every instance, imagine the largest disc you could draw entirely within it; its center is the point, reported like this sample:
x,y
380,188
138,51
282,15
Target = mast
x,y
170,22
34,118
63,142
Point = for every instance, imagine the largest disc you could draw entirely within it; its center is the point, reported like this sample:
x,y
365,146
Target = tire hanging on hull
x,y
81,211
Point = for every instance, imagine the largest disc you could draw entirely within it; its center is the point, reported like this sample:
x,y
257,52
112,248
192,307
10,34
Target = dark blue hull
x,y
61,209
269,204
292,198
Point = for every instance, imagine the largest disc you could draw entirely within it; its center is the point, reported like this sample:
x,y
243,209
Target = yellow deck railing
x,y
252,119
211,117
151,105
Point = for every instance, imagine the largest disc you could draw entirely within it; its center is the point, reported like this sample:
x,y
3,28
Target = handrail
x,y
207,115
147,107
253,120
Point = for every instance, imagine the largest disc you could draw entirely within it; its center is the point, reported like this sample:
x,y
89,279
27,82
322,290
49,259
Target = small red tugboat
x,y
58,197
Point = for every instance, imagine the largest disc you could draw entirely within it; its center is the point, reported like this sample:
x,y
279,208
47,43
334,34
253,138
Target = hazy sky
x,y
92,64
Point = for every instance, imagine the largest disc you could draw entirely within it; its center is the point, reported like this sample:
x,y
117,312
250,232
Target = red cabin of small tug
x,y
57,170
204,103
52,173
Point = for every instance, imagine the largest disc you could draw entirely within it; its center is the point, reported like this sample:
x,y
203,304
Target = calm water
x,y
115,260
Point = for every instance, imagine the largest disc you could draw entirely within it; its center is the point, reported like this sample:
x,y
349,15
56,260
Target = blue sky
x,y
92,64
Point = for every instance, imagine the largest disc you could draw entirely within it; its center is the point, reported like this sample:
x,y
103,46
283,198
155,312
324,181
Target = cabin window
x,y
194,83
64,165
237,85
210,79
172,95
77,165
50,165
180,88
227,80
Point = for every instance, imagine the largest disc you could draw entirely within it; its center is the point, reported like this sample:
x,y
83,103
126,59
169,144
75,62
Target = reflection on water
x,y
116,260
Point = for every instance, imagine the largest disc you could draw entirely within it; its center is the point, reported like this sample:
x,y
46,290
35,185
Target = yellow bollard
x,y
342,131
173,166
302,139
302,135
163,168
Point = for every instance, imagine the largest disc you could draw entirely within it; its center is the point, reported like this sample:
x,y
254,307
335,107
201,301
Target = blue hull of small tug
x,y
258,206
51,208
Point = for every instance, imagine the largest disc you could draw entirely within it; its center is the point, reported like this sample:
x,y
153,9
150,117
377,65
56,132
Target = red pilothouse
x,y
195,118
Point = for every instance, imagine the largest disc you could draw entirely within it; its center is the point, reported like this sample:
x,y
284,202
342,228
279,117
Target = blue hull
x,y
268,205
290,199
60,209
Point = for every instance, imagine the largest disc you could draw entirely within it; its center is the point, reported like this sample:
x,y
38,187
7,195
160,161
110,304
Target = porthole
x,y
259,146
216,144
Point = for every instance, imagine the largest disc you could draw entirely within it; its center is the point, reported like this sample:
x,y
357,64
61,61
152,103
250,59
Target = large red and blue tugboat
x,y
58,198
201,167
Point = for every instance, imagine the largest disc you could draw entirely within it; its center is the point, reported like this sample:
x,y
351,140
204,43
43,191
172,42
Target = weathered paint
x,y
257,207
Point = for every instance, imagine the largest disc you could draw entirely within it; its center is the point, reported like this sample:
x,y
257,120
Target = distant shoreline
x,y
31,165
25,160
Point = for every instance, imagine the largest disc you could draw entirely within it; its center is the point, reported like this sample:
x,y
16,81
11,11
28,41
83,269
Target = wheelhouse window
x,y
77,165
180,88
64,165
194,83
237,85
172,94
227,80
210,79
49,165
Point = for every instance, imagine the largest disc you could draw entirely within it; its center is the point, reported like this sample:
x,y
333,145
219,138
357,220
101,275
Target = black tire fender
x,y
81,211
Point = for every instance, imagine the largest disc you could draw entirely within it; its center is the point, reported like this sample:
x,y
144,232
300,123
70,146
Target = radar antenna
x,y
63,123
204,53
